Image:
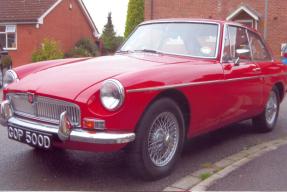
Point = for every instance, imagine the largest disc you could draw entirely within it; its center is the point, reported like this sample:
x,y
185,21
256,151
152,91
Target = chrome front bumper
x,y
63,131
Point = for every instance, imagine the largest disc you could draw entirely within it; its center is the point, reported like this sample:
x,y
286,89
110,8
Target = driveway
x,y
23,168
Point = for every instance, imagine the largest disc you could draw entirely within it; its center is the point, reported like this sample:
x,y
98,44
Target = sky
x,y
99,10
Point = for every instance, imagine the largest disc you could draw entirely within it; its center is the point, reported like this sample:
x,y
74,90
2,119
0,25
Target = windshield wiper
x,y
148,51
124,51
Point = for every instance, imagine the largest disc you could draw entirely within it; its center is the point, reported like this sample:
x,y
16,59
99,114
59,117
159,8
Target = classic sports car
x,y
170,81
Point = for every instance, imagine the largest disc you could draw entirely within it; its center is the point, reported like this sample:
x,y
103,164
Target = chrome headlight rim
x,y
121,91
13,75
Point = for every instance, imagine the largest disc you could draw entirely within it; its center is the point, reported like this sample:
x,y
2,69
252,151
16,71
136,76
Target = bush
x,y
49,50
6,61
84,48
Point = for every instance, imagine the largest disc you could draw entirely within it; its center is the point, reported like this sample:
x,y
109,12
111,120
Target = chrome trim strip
x,y
101,137
41,127
157,88
77,135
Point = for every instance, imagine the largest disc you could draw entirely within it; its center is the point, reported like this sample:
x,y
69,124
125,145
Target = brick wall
x,y
65,25
220,9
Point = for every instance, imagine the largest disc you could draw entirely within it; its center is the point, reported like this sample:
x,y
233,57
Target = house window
x,y
8,37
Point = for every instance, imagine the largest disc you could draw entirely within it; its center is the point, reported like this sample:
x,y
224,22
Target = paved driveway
x,y
22,168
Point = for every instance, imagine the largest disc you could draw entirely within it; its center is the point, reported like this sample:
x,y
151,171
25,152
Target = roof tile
x,y
23,10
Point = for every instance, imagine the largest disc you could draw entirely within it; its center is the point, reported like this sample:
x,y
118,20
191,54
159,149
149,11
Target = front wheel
x,y
159,140
266,121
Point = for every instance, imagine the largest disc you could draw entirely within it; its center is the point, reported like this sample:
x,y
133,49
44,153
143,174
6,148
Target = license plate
x,y
36,139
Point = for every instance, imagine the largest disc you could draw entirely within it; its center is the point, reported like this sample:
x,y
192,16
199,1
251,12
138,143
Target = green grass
x,y
204,176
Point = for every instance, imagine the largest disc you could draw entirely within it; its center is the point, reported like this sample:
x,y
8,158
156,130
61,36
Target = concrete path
x,y
266,173
213,175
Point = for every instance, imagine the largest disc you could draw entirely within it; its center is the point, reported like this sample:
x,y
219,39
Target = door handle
x,y
257,69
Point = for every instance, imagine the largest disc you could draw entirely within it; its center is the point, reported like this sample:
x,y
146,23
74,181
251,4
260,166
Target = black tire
x,y
260,122
140,159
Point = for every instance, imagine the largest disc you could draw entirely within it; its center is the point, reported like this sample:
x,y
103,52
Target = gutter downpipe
x,y
266,20
151,9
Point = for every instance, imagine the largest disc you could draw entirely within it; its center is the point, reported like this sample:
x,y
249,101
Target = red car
x,y
170,81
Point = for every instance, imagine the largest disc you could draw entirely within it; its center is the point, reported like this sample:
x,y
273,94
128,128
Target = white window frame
x,y
6,33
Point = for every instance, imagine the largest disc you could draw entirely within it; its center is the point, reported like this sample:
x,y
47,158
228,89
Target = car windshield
x,y
191,39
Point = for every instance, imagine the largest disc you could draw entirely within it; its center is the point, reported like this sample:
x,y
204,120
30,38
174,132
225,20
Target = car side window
x,y
258,49
236,44
239,43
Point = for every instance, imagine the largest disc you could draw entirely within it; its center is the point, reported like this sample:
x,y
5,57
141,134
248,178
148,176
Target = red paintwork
x,y
212,105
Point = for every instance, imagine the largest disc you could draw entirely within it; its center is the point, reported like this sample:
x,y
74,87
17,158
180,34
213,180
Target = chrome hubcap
x,y
163,139
271,108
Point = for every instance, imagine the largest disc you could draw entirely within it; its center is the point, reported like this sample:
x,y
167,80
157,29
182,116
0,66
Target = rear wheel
x,y
267,120
159,140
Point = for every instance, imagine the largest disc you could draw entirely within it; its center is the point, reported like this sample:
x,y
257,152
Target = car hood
x,y
69,80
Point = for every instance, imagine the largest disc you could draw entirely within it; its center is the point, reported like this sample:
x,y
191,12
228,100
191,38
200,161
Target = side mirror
x,y
3,52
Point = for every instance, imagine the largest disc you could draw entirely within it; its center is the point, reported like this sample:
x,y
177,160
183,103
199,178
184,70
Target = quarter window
x,y
8,36
258,49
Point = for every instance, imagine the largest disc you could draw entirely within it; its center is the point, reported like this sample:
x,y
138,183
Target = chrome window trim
x,y
201,22
43,119
223,43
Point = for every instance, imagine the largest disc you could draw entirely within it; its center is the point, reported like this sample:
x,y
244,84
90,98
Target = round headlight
x,y
112,94
9,77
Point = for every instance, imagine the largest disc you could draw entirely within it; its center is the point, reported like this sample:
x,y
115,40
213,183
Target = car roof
x,y
200,20
182,20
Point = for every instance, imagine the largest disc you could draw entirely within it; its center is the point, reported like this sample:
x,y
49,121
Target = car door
x,y
263,59
243,80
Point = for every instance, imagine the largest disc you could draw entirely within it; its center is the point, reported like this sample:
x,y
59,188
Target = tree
x,y
109,36
135,15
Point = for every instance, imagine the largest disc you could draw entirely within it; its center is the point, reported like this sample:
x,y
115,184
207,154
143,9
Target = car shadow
x,y
218,137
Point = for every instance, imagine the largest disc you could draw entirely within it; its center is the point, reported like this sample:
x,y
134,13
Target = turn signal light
x,y
96,124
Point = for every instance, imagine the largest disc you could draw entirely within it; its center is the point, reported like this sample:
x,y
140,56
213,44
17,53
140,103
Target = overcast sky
x,y
99,10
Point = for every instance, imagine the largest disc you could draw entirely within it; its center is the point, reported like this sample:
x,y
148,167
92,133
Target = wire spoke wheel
x,y
163,139
271,108
266,121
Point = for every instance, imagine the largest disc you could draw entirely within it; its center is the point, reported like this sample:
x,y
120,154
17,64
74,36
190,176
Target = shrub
x,y
49,50
6,61
84,48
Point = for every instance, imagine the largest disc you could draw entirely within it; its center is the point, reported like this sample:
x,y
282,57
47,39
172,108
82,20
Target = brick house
x,y
25,23
269,17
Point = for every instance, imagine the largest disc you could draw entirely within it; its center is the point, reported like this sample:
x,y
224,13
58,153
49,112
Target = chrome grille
x,y
43,108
